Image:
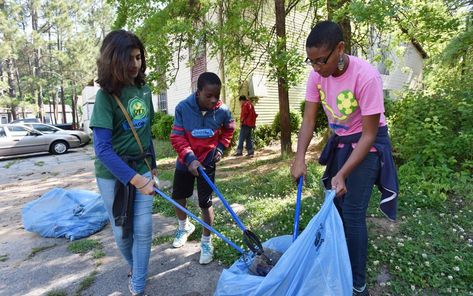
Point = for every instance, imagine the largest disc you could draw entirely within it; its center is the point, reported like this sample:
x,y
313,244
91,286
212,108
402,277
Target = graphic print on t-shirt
x,y
138,111
346,104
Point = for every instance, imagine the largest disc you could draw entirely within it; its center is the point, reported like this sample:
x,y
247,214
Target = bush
x,y
295,123
162,125
263,135
432,139
321,123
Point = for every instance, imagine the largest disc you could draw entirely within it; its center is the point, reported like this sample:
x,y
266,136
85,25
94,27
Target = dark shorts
x,y
183,186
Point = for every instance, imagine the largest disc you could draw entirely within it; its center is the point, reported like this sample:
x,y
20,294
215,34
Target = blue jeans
x,y
245,135
352,208
136,248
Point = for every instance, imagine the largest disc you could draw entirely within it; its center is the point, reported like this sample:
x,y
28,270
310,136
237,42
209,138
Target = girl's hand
x,y
143,184
298,168
338,184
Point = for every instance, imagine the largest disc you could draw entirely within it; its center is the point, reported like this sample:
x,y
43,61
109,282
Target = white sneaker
x,y
182,235
206,253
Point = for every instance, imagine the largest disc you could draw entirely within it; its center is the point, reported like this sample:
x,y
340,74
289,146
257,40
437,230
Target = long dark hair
x,y
114,61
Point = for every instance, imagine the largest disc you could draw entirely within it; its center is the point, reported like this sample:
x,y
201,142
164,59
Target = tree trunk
x,y
74,107
222,55
11,87
344,23
282,85
37,57
63,103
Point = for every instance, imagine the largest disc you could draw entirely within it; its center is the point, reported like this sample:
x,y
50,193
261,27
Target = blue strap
x,y
225,203
232,244
298,208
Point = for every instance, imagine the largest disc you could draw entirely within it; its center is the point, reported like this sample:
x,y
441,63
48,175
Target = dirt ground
x,y
26,271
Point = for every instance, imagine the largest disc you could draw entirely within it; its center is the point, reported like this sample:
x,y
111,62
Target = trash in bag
x,y
262,264
72,214
316,263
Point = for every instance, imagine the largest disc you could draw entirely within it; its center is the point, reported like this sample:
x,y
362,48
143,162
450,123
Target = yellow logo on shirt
x,y
137,108
346,102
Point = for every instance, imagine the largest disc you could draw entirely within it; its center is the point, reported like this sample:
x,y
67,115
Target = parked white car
x,y
16,139
84,138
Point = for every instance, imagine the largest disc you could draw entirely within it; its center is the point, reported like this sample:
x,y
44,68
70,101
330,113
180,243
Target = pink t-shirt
x,y
345,99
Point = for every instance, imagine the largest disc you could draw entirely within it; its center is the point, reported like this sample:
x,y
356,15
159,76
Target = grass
x,y
429,251
37,250
98,253
56,293
84,246
86,283
163,149
159,240
3,257
10,163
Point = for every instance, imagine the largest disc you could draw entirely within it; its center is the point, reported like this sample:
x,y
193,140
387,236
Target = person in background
x,y
203,128
120,165
247,124
358,154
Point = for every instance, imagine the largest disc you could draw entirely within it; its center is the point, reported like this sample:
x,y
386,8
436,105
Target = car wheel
x,y
59,147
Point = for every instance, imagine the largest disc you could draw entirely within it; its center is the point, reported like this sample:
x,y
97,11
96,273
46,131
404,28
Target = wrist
x,y
144,185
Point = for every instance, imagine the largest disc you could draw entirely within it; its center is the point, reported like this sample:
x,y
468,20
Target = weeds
x,y
84,246
37,250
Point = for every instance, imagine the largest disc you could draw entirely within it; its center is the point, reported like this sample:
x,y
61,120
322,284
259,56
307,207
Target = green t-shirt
x,y
107,114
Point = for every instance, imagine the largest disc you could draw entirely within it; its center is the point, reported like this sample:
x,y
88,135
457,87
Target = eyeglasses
x,y
319,61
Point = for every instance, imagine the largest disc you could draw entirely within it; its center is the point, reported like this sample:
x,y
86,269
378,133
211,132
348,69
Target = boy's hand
x,y
218,155
193,167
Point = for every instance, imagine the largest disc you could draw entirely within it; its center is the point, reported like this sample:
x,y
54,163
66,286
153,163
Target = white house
x,y
407,72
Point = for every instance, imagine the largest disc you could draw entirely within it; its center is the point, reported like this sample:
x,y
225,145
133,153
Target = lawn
x,y
428,251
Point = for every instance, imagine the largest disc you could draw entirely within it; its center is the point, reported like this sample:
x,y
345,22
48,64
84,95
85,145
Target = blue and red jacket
x,y
196,132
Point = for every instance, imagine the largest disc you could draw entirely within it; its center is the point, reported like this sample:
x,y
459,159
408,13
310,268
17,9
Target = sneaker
x,y
251,154
206,253
238,154
365,292
133,293
182,235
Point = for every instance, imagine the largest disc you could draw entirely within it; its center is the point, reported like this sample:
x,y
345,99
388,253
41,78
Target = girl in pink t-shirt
x,y
350,92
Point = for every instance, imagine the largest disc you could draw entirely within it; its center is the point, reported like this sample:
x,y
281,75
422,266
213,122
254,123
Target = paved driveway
x,y
172,271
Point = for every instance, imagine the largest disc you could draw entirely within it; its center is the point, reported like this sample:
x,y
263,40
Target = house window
x,y
163,102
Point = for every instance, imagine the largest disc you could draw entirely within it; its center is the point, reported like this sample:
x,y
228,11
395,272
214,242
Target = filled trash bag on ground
x,y
317,263
73,214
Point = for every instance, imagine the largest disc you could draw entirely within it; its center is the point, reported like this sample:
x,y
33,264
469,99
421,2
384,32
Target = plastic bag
x,y
317,263
73,214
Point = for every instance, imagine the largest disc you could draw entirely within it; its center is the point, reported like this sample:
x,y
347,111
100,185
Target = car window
x,y
43,128
2,133
18,131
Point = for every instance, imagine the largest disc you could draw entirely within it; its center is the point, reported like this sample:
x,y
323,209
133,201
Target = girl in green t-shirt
x,y
121,76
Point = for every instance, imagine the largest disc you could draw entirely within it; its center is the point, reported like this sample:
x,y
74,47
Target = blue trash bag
x,y
317,263
72,214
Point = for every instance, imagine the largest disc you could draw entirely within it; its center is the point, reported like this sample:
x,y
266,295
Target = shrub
x,y
295,123
162,125
432,139
321,123
263,135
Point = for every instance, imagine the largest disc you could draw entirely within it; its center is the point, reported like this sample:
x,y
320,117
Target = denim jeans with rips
x,y
136,248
